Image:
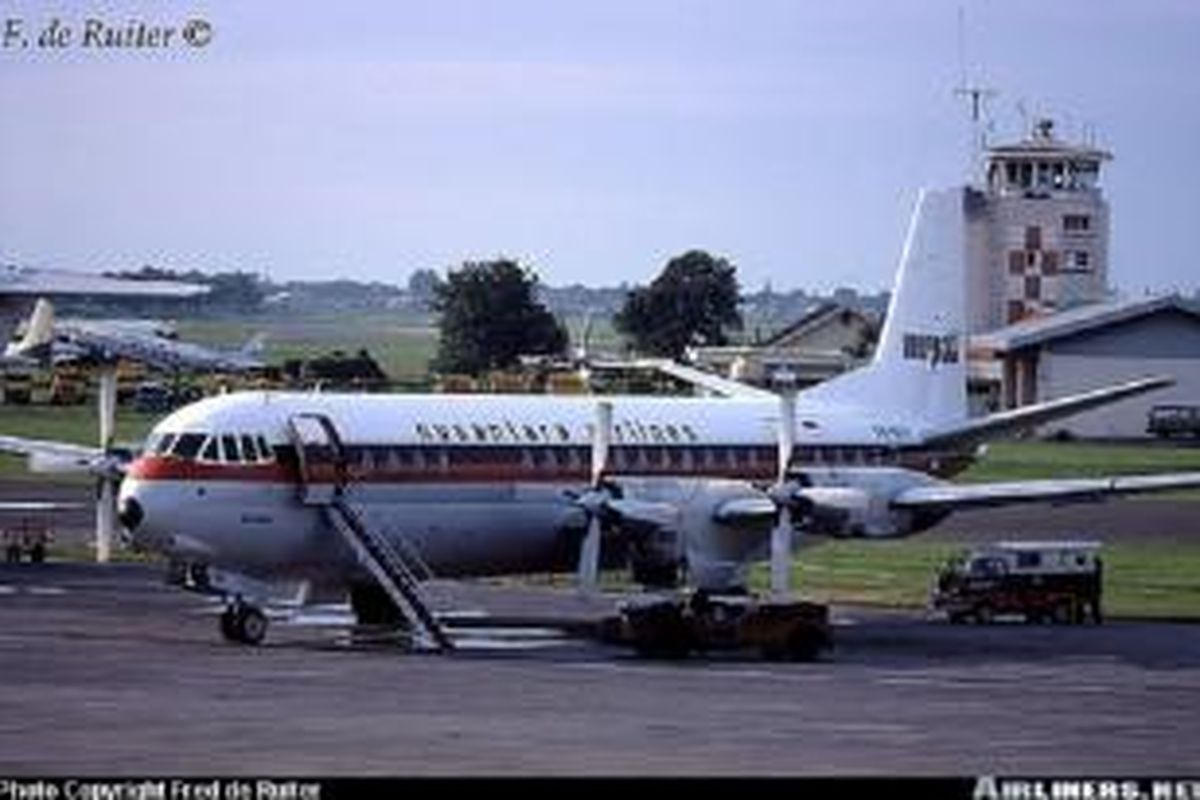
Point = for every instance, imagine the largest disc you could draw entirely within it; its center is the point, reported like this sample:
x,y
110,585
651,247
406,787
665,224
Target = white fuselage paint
x,y
250,519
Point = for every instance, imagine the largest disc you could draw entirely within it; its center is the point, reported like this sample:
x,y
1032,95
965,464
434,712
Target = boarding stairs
x,y
324,483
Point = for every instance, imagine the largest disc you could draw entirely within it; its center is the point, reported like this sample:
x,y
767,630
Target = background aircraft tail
x,y
919,367
39,332
253,347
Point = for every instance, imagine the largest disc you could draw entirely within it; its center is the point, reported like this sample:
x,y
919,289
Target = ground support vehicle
x,y
1056,582
677,624
1165,421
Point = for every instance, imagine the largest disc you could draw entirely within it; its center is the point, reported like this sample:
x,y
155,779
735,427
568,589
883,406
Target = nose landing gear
x,y
243,623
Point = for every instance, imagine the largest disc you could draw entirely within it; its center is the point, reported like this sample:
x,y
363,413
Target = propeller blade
x,y
787,431
781,553
106,515
781,534
589,555
107,403
601,437
589,550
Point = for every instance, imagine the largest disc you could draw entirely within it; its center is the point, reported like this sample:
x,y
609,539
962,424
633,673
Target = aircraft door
x,y
320,458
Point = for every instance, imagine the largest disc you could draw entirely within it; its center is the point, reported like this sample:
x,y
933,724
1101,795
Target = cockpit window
x,y
163,445
265,453
249,451
187,445
211,451
229,444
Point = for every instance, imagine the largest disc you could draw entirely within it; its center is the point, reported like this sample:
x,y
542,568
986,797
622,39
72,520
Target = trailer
x,y
1056,582
675,625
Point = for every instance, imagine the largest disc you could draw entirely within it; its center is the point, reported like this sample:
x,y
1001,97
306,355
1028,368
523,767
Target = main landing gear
x,y
243,623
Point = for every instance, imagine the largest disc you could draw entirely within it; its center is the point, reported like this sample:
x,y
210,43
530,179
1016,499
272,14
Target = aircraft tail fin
x,y
39,332
253,348
919,367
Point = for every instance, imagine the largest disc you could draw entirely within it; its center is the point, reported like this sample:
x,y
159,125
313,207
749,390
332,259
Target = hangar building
x,y
1088,347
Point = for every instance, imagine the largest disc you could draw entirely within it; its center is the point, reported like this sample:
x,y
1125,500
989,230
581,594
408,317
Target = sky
x,y
591,139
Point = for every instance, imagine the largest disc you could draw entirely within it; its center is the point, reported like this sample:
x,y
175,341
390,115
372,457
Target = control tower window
x,y
1033,238
1089,174
1077,223
1043,174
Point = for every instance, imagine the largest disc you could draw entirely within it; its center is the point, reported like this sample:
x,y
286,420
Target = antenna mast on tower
x,y
979,97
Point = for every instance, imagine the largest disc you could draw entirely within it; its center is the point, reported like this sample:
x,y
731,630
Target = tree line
x,y
489,313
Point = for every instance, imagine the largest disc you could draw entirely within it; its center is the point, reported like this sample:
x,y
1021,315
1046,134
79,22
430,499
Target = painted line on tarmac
x,y
46,590
41,591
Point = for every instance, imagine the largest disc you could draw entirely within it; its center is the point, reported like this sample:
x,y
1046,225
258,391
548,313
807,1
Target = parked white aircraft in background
x,y
18,288
360,493
19,285
107,341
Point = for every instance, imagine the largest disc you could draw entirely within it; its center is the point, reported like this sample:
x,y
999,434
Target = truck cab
x,y
1056,582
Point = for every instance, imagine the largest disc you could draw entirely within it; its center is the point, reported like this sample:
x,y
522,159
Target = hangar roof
x,y
1038,331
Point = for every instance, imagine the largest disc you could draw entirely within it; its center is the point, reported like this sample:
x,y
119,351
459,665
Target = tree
x,y
490,315
692,301
422,285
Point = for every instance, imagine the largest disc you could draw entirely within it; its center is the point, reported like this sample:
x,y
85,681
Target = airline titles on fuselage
x,y
506,431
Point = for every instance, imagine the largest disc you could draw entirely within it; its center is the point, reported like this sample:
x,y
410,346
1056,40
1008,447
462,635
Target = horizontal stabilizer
x,y
993,425
706,381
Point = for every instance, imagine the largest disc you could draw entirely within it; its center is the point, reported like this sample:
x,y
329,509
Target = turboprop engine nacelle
x,y
857,502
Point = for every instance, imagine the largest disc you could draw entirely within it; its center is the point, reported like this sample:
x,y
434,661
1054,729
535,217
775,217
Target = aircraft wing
x,y
23,506
42,282
989,427
51,456
950,496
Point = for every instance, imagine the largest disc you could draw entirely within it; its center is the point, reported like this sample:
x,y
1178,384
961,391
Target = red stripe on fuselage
x,y
159,468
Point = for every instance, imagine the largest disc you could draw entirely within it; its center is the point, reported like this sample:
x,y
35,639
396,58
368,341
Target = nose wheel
x,y
243,623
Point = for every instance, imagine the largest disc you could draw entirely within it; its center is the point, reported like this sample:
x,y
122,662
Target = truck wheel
x,y
1062,613
669,650
12,553
37,553
803,645
984,614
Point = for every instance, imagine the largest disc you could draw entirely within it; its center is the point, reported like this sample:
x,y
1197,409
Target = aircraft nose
x,y
130,513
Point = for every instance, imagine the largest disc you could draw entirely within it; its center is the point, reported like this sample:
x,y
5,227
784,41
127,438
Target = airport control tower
x,y
1037,234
